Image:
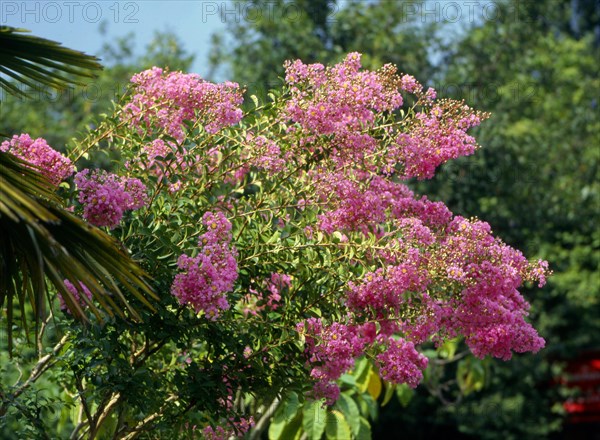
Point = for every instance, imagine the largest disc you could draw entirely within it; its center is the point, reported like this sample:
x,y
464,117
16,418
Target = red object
x,y
584,373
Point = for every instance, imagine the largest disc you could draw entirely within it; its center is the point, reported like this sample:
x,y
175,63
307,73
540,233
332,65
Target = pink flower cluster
x,y
337,112
355,203
269,296
38,153
265,154
76,294
237,430
207,277
341,101
400,362
465,257
444,276
156,152
105,196
435,137
154,159
382,292
276,285
490,312
167,99
332,350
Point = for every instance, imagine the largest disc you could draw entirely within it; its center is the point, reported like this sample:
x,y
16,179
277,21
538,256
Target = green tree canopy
x,y
252,52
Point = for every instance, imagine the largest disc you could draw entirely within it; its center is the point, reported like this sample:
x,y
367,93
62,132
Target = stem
x,y
264,419
114,401
143,424
84,404
41,367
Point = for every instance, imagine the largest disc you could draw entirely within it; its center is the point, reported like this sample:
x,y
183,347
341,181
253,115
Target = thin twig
x,y
264,419
41,367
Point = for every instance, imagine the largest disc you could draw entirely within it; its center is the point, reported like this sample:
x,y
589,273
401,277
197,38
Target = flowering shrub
x,y
288,250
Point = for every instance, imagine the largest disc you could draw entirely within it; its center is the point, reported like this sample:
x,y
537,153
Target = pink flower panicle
x,y
76,294
265,154
236,429
475,279
267,296
352,205
105,196
276,285
156,152
38,153
337,110
434,137
341,101
218,433
207,277
400,362
383,291
489,311
332,350
167,99
409,84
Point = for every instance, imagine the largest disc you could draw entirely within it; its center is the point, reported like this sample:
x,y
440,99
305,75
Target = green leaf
x,y
348,379
404,394
29,60
350,410
286,418
389,392
470,375
314,419
368,406
364,433
448,349
337,428
361,373
374,385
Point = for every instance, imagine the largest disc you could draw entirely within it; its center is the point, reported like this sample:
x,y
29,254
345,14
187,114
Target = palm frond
x,y
32,61
41,242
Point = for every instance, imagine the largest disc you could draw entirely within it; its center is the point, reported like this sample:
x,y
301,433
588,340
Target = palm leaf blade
x,y
22,57
40,241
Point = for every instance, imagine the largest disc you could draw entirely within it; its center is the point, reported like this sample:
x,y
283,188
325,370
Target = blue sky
x,y
76,23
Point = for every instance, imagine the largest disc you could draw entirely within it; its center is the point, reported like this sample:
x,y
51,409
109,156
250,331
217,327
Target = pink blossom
x,y
275,286
341,101
76,294
332,350
166,100
38,153
237,429
265,154
207,277
434,138
105,197
400,362
410,84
